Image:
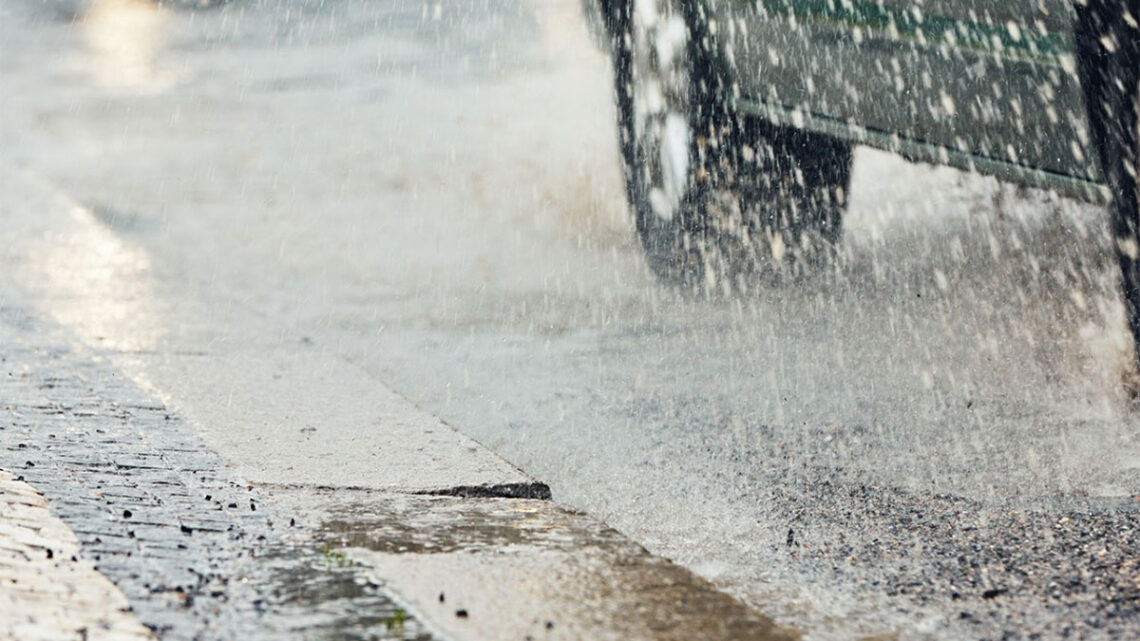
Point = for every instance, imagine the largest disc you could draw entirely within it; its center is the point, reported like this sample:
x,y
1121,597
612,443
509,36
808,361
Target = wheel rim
x,y
661,103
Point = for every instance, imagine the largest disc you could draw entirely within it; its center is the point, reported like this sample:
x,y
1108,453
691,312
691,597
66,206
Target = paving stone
x,y
49,592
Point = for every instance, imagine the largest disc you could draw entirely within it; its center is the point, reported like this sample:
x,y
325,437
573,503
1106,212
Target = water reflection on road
x,y
124,40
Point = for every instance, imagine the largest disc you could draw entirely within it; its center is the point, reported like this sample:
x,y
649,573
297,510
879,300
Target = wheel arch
x,y
1108,59
1108,76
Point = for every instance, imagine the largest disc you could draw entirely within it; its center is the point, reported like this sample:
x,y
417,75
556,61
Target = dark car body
x,y
979,84
1044,93
983,85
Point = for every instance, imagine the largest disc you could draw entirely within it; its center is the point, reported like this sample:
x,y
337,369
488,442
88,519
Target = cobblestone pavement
x,y
197,553
47,591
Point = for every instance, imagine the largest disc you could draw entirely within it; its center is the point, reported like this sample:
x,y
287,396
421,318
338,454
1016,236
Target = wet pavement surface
x,y
936,439
467,563
197,553
47,589
200,554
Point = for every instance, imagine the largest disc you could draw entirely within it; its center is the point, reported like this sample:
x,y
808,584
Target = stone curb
x,y
47,590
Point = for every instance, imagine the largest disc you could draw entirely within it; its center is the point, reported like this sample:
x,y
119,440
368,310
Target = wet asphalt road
x,y
936,438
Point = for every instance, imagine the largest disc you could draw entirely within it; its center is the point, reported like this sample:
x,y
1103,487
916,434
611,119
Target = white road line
x,y
291,413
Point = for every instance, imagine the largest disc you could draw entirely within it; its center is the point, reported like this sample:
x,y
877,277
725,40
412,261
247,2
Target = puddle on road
x,y
423,525
315,593
521,568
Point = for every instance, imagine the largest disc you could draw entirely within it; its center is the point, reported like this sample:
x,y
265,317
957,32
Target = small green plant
x,y
333,556
395,623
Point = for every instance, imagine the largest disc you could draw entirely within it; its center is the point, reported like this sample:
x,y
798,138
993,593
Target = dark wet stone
x,y
532,490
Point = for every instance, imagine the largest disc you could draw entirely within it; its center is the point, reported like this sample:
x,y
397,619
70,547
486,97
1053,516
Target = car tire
x,y
1109,59
720,201
1126,211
